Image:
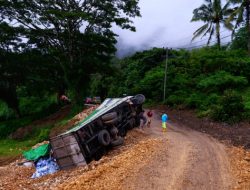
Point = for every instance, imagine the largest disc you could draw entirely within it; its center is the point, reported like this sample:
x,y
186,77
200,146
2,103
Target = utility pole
x,y
165,78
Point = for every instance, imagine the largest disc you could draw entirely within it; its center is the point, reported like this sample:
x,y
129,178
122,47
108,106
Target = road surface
x,y
187,160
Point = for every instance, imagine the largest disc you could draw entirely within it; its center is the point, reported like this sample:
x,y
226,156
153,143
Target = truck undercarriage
x,y
99,132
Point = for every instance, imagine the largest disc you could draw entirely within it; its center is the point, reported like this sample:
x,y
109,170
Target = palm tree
x,y
213,15
240,15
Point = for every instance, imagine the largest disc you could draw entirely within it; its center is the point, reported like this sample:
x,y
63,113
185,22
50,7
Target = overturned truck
x,y
103,129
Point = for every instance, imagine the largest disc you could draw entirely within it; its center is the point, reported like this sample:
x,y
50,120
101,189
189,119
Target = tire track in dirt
x,y
190,160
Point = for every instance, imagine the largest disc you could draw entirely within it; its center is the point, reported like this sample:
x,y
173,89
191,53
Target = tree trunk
x,y
248,24
9,96
218,34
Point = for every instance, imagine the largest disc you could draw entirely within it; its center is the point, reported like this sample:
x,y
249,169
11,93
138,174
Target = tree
x,y
78,34
213,15
239,40
10,73
241,14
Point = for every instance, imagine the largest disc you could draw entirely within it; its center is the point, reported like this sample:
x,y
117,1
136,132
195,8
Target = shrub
x,y
222,80
5,112
230,109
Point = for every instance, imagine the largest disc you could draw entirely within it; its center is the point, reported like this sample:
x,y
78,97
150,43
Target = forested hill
x,y
54,48
214,82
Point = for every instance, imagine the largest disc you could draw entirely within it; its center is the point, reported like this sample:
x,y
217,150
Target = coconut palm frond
x,y
228,25
208,30
213,14
210,36
199,32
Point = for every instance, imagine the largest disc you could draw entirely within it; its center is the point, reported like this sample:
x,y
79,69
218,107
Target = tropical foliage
x,y
213,14
209,80
241,15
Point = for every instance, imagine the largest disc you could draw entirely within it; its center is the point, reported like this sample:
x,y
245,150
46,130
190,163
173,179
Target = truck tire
x,y
138,99
131,123
119,141
112,121
122,132
114,131
109,116
104,137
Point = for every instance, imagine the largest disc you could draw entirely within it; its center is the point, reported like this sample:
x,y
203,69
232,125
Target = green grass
x,y
11,147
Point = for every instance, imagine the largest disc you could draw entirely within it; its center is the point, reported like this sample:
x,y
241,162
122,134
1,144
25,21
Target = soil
x,y
76,119
50,120
235,135
187,160
181,158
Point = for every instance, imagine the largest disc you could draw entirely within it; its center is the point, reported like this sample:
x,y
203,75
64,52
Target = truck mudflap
x,y
67,151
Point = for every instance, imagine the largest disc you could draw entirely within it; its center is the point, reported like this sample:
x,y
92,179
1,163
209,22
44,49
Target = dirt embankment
x,y
108,173
76,119
50,120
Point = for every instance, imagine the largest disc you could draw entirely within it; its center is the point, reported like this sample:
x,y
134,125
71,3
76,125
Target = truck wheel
x,y
138,99
104,138
131,123
114,131
112,121
122,132
109,116
117,142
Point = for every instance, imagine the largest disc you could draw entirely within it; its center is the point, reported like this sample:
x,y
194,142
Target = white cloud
x,y
163,23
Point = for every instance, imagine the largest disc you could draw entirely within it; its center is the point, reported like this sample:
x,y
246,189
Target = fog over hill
x,y
163,23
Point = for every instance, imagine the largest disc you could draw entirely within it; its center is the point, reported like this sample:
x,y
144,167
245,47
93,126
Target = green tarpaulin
x,y
34,154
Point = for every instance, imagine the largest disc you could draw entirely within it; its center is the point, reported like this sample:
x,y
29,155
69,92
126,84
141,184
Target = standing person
x,y
143,119
164,119
150,115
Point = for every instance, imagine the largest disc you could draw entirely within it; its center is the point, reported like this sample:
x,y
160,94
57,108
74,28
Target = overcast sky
x,y
163,23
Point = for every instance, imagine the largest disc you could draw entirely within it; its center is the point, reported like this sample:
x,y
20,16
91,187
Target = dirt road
x,y
187,160
177,160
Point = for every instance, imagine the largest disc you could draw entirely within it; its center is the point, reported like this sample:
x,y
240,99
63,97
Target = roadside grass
x,y
10,147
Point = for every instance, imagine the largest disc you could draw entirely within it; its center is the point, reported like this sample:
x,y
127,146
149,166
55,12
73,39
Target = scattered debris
x,y
45,166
